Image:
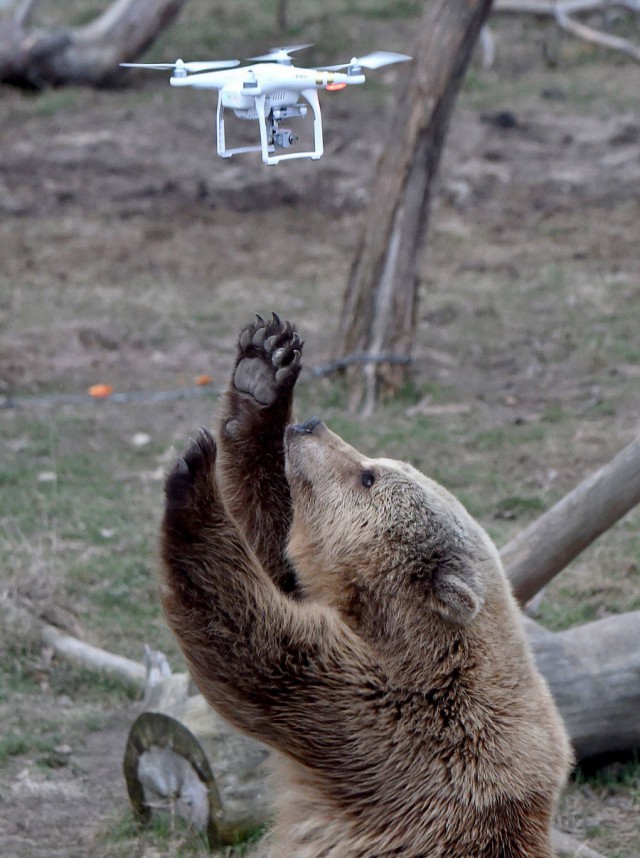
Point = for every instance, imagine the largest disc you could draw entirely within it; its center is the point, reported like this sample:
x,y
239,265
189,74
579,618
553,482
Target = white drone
x,y
269,92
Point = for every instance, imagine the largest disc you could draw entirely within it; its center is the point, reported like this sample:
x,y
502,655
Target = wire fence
x,y
9,400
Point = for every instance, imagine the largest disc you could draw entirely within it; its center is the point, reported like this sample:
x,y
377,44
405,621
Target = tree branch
x,y
596,37
564,10
545,8
544,548
130,674
80,55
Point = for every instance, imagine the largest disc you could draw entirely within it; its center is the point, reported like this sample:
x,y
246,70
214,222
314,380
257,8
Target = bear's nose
x,y
306,428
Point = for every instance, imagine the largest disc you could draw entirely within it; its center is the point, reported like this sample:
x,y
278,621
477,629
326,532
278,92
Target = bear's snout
x,y
306,428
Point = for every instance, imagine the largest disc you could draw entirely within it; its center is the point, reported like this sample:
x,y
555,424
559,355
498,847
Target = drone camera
x,y
284,137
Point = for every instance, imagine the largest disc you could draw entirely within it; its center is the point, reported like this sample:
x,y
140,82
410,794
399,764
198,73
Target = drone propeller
x,y
180,66
279,55
370,61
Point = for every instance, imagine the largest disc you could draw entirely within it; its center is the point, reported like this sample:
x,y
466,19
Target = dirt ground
x,y
130,255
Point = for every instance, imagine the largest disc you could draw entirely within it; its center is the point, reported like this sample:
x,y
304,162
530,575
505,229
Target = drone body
x,y
269,92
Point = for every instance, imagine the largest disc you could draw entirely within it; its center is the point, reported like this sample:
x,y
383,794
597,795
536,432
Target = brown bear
x,y
351,614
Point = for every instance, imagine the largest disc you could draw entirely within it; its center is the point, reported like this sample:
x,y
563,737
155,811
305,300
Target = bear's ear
x,y
453,584
458,594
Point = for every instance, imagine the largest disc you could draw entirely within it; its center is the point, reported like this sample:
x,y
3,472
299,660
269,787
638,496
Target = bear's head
x,y
375,539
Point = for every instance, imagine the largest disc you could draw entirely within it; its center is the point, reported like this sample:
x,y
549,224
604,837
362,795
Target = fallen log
x,y
126,672
551,542
593,671
183,759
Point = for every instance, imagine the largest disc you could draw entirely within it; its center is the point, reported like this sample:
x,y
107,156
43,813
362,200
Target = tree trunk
x,y
537,554
183,759
379,309
281,15
88,55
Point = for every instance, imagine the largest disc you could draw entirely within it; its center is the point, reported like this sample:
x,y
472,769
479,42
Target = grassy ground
x,y
129,256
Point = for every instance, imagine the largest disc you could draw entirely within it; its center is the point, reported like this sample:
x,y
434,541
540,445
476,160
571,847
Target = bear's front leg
x,y
255,411
261,659
215,595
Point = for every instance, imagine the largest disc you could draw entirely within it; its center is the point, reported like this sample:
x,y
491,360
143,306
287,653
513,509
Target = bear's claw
x,y
258,338
269,359
193,466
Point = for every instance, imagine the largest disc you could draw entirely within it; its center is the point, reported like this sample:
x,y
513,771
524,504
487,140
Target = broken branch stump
x,y
182,758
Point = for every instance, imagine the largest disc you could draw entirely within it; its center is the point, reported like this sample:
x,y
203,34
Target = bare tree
x,y
378,319
90,54
379,311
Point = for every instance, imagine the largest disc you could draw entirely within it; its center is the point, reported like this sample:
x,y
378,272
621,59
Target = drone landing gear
x,y
272,136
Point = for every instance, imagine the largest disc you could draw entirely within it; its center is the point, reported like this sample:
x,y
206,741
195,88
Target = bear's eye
x,y
368,478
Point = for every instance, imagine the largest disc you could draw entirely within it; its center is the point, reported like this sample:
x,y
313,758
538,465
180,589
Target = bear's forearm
x,y
267,664
251,471
213,613
254,413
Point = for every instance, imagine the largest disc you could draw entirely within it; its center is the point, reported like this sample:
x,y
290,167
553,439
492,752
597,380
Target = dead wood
x,y
543,8
130,674
87,55
564,13
597,37
183,759
544,548
593,671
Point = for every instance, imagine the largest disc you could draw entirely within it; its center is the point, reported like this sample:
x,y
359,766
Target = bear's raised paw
x,y
269,360
193,475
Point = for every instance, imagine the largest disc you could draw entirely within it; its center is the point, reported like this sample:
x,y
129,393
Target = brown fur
x,y
381,653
